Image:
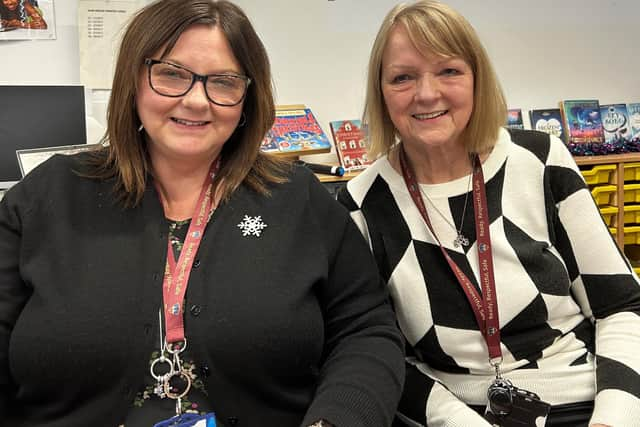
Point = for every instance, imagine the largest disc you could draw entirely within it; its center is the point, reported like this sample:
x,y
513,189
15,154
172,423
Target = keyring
x,y
161,359
170,348
167,386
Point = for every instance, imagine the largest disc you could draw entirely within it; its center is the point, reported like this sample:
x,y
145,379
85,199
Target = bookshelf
x,y
611,179
614,181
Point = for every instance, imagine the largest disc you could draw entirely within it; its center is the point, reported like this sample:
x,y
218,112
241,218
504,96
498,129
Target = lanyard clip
x,y
495,363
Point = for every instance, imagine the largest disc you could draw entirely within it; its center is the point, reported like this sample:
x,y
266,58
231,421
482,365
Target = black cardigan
x,y
292,326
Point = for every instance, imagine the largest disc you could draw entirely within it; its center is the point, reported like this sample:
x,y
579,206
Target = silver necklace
x,y
461,239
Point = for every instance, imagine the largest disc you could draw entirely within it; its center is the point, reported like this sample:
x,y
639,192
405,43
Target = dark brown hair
x,y
158,26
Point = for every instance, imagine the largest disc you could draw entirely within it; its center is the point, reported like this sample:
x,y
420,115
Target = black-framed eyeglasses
x,y
173,80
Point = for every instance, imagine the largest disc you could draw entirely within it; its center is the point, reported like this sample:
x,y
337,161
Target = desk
x,y
334,183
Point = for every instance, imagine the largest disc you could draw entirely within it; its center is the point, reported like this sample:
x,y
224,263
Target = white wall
x,y
45,61
543,50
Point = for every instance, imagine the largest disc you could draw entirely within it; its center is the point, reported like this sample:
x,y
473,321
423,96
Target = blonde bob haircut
x,y
155,30
435,27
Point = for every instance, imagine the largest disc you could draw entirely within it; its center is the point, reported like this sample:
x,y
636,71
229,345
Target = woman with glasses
x,y
516,303
179,272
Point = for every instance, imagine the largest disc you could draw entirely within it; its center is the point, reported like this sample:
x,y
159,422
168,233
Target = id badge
x,y
189,420
513,407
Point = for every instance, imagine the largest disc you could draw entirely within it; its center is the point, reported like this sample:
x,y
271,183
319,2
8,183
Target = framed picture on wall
x,y
27,20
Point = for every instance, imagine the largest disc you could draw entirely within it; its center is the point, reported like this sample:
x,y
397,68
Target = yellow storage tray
x,y
600,174
609,214
632,171
613,231
632,214
631,193
632,235
604,194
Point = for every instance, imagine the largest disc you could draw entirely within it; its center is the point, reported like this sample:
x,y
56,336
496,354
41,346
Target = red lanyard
x,y
485,307
176,274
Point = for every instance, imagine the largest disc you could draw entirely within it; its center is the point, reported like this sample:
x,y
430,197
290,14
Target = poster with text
x,y
101,24
27,20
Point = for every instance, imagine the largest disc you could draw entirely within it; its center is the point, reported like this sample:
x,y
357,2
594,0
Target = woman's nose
x,y
427,87
197,95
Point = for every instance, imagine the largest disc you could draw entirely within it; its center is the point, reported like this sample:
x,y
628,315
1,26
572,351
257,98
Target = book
x,y
548,120
634,119
514,118
350,140
295,131
615,122
582,121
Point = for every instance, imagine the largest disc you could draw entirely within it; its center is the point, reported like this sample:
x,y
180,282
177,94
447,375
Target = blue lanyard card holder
x,y
189,420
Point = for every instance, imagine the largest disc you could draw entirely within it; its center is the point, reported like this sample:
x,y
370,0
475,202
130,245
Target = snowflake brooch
x,y
252,225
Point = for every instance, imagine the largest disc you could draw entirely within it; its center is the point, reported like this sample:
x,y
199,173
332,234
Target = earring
x,y
243,120
141,127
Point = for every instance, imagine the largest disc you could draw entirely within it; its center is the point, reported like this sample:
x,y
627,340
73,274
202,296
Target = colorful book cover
x,y
615,122
296,130
547,120
350,140
582,121
514,118
634,119
269,143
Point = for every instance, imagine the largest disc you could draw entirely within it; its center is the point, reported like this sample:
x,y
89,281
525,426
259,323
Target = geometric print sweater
x,y
568,300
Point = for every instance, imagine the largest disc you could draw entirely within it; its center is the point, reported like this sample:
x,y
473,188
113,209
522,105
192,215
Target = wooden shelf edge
x,y
297,153
610,158
331,178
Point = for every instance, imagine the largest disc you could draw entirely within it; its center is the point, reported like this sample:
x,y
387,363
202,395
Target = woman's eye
x,y
450,72
170,73
402,78
173,73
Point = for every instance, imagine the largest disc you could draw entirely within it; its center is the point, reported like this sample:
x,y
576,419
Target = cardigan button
x,y
196,263
195,310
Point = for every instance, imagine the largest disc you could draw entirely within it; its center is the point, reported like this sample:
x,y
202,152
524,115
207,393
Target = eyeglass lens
x,y
169,80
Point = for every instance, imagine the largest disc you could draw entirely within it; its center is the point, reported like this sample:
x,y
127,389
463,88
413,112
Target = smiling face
x,y
429,97
10,4
190,127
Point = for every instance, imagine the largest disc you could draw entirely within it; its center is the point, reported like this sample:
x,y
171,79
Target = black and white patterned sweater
x,y
569,303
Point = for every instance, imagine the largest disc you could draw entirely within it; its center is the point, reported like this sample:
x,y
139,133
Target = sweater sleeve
x,y
13,292
427,402
603,284
362,374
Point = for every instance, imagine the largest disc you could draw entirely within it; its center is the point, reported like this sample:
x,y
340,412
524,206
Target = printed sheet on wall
x,y
101,24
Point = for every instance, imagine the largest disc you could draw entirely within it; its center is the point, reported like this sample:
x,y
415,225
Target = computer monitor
x,y
38,117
